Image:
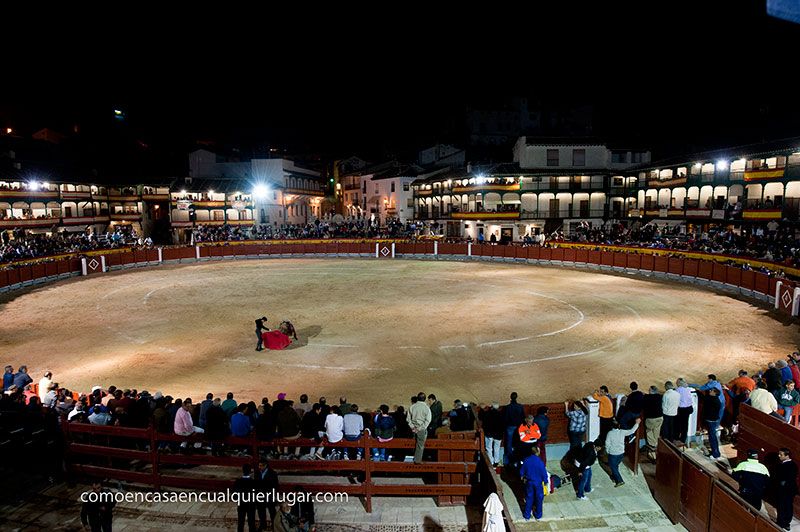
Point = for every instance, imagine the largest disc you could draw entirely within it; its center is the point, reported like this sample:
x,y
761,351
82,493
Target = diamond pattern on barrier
x,y
93,264
786,299
385,251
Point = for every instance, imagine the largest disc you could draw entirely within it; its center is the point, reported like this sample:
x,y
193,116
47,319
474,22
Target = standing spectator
x,y
788,398
492,423
606,410
246,508
685,409
752,477
97,513
652,409
711,405
786,371
204,406
216,426
461,417
543,422
669,405
44,384
513,416
632,407
584,463
229,405
773,378
436,415
529,435
534,475
795,370
384,431
419,417
576,430
740,388
21,378
615,449
785,487
713,383
8,377
266,482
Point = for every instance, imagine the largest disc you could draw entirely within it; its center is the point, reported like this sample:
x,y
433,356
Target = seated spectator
x,y
98,417
184,426
353,426
240,423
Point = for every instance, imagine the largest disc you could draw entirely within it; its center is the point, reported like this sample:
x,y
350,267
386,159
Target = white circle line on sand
x,y
618,341
581,318
305,366
150,293
332,345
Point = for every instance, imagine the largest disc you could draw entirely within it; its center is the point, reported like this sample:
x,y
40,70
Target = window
x,y
405,187
578,157
552,157
619,157
392,187
638,157
410,202
364,187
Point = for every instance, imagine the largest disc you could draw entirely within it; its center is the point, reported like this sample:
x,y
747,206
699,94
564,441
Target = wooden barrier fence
x,y
750,283
137,455
698,499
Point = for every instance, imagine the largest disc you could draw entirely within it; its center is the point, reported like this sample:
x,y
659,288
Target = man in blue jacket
x,y
534,475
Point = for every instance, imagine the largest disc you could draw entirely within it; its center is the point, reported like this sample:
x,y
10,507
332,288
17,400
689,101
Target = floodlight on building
x,y
481,179
260,191
698,165
722,165
210,191
183,191
33,185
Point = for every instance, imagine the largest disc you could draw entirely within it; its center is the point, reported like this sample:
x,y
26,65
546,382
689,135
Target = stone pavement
x,y
629,507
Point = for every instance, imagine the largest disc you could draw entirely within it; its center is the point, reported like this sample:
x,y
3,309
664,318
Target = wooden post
x,y
254,447
367,473
154,457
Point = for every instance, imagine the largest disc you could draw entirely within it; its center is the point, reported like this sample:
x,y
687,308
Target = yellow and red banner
x,y
767,173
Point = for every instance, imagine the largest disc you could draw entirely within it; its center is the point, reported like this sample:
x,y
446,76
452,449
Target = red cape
x,y
275,340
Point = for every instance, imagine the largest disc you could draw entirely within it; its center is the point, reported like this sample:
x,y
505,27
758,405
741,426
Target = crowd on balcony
x,y
21,245
773,242
319,229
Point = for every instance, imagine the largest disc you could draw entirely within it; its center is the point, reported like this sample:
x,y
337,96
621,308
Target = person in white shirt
x,y
334,429
44,384
669,405
762,400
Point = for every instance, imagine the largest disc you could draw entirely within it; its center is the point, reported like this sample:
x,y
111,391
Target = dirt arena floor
x,y
380,331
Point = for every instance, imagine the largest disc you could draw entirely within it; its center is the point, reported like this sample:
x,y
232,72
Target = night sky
x,y
672,81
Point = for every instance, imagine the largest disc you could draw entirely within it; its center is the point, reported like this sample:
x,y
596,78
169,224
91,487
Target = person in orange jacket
x,y
529,435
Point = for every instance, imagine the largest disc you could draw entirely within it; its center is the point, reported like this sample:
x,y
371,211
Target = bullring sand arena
x,y
380,331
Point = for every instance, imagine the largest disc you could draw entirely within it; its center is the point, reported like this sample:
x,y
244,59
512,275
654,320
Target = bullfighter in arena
x,y
280,338
260,328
